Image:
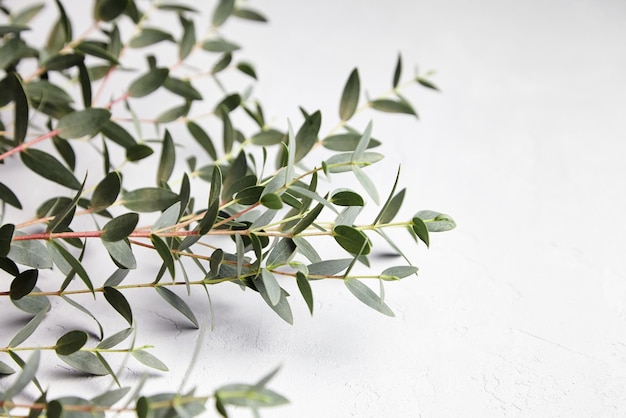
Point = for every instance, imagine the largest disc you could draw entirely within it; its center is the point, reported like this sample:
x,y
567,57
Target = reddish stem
x,y
21,147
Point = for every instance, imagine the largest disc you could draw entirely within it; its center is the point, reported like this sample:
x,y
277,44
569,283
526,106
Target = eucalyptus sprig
x,y
258,227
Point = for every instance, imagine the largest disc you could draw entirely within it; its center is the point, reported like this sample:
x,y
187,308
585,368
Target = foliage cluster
x,y
257,228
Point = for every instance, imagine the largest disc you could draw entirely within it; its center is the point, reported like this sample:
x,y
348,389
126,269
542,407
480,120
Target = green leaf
x,y
352,240
95,50
202,138
329,267
249,14
346,142
24,16
188,39
305,289
83,310
5,369
8,197
306,137
149,36
117,300
391,210
307,250
66,151
85,362
435,221
165,253
179,304
9,266
223,63
420,229
6,235
168,218
397,73
70,343
110,397
247,69
312,195
108,10
347,198
149,360
24,378
426,83
249,396
362,144
115,339
143,407
223,10
343,162
148,83
106,192
27,330
350,96
119,228
62,62
367,296
271,201
149,199
182,88
6,29
86,122
64,212
282,307
366,182
308,219
228,104
33,304
76,265
138,152
30,253
399,272
219,45
281,253
85,84
23,284
268,137
117,134
392,106
21,109
121,253
168,159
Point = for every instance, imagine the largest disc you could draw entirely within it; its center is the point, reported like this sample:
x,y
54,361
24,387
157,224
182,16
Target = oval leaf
x,y
82,123
352,240
119,228
149,360
70,343
148,83
368,296
350,96
49,167
23,284
149,199
106,192
117,300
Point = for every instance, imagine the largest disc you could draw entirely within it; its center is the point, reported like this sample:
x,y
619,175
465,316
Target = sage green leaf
x,y
106,192
21,109
397,73
23,284
66,151
117,300
121,253
395,207
346,142
64,212
216,261
168,159
391,210
305,289
142,407
268,137
343,162
219,45
312,195
281,253
329,267
149,199
182,88
148,83
23,17
420,229
119,228
176,7
85,362
426,83
250,396
5,369
392,106
282,307
62,62
363,142
15,28
249,14
149,360
247,69
165,253
202,138
83,310
85,84
108,10
149,36
70,343
271,201
228,104
223,10
306,249
348,215
110,397
76,265
308,219
82,123
8,197
306,137
222,64
350,96
29,369
435,221
168,218
366,182
27,330
30,253
249,195
368,296
188,39
352,240
398,272
116,278
115,339
179,304
138,152
32,304
13,51
95,50
9,266
117,134
347,198
97,72
6,235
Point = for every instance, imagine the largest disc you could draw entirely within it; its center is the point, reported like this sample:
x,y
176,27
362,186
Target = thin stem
x,y
24,145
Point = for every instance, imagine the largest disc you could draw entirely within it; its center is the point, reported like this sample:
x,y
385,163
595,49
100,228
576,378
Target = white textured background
x,y
519,312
